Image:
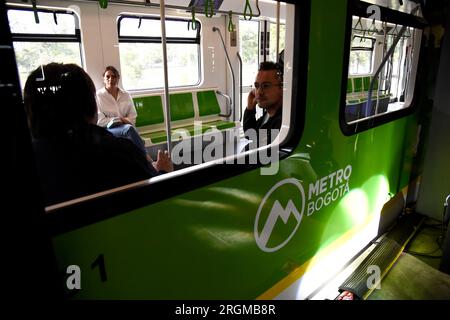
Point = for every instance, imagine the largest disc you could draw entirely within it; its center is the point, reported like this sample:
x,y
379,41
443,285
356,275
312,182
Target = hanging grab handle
x,y
257,8
407,33
393,32
356,27
36,16
359,23
103,4
192,23
230,22
209,8
248,10
372,29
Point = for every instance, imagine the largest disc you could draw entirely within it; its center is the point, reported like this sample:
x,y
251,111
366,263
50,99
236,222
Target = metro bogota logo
x,y
281,210
269,230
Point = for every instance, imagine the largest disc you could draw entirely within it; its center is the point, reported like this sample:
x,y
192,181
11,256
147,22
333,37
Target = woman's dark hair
x,y
113,70
59,100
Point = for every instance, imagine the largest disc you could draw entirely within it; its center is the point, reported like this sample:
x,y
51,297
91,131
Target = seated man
x,y
268,94
74,156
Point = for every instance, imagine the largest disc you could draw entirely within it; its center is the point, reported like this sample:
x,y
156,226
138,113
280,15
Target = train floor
x,y
415,275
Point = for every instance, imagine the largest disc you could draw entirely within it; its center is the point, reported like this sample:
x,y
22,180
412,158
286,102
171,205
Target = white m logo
x,y
277,211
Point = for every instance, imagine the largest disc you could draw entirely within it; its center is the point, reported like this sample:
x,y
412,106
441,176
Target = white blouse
x,y
108,108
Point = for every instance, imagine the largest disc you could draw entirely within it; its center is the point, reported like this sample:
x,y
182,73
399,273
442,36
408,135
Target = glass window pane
x,y
361,55
273,40
362,42
360,62
395,86
22,21
248,40
30,55
142,65
390,88
152,28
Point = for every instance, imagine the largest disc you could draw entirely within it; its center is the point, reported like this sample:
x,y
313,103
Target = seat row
x,y
194,111
357,97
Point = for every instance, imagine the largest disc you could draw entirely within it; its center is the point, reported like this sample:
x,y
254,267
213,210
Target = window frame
x,y
43,37
359,8
371,50
142,39
273,45
247,88
169,40
263,48
80,212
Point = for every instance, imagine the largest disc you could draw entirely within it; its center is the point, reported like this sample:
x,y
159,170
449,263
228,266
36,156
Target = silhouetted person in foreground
x,y
74,156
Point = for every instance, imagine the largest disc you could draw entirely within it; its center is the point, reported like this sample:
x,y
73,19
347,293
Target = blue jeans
x,y
129,132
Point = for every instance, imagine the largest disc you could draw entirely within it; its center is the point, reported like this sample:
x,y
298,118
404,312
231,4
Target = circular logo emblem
x,y
279,215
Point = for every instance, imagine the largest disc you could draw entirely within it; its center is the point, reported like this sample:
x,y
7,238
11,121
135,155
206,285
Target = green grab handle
x,y
103,4
230,22
248,7
209,6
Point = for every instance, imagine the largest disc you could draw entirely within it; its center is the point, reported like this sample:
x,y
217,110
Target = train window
x,y
249,44
141,53
273,40
248,40
381,70
50,36
204,127
249,49
361,54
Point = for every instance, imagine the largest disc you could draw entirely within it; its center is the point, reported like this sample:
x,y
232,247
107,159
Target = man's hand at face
x,y
251,100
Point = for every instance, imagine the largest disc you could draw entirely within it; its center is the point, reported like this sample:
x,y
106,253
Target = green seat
x,y
209,106
358,87
191,129
161,136
181,106
366,84
358,84
221,124
149,110
352,101
349,85
207,103
156,137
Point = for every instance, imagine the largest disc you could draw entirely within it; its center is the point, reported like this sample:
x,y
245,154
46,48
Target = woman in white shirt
x,y
116,112
115,106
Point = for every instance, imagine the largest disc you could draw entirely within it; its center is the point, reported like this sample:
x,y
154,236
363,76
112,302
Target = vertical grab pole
x,y
240,86
231,70
166,77
278,32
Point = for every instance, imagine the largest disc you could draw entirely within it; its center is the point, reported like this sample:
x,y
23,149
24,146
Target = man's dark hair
x,y
269,65
113,70
59,100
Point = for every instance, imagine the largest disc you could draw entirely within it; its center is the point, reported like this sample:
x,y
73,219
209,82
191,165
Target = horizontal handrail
x,y
148,3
